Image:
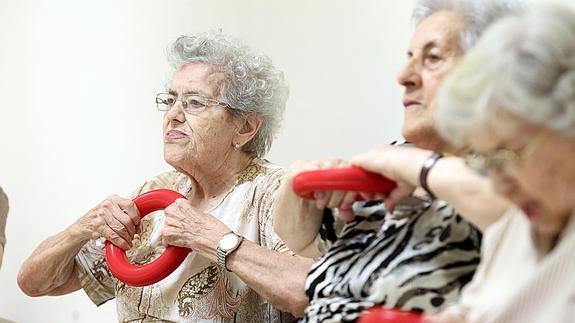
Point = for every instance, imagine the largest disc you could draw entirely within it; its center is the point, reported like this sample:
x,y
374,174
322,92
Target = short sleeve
x,y
268,237
93,271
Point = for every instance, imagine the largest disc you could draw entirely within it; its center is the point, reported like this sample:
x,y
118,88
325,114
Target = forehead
x,y
442,28
198,77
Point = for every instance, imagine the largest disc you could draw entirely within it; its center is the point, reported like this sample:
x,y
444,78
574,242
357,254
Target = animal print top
x,y
417,258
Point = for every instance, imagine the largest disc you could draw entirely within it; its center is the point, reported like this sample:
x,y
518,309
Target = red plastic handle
x,y
340,179
383,315
158,269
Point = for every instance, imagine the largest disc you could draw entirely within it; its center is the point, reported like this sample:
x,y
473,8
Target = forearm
x,y
470,194
50,270
296,221
278,277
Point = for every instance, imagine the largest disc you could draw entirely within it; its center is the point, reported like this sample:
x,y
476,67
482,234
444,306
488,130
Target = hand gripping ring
x,y
384,315
144,275
340,179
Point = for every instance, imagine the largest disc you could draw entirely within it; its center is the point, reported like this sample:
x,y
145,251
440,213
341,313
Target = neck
x,y
211,183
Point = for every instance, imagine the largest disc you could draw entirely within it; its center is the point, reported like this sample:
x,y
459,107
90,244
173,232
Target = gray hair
x,y
477,15
252,83
524,66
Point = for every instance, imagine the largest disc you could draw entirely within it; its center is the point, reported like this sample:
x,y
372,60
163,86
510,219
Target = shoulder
x,y
262,174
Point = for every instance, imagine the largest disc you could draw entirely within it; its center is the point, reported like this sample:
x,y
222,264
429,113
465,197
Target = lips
x,y
410,103
530,209
175,134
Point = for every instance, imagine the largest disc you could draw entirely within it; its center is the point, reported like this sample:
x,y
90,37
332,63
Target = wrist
x,y
228,244
426,167
76,232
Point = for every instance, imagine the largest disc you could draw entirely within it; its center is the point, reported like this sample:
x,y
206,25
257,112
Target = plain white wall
x,y
78,121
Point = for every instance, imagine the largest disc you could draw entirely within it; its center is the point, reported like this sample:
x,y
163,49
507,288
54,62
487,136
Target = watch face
x,y
228,241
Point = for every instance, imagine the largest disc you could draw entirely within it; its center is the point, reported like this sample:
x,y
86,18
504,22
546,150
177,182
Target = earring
x,y
237,146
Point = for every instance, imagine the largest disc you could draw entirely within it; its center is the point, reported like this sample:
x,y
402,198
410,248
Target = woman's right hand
x,y
115,219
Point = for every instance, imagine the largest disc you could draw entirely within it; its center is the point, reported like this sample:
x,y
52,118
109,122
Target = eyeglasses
x,y
191,102
502,157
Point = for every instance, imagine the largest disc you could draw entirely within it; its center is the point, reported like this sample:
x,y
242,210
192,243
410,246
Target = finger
x,y
129,207
166,239
118,228
122,216
348,199
321,203
346,214
367,196
113,237
397,195
335,199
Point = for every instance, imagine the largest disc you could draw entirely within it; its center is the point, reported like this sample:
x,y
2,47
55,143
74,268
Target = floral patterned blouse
x,y
199,290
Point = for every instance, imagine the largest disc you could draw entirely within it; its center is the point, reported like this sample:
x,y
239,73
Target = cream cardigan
x,y
517,281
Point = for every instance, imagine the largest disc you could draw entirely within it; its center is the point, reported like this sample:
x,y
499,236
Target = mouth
x,y
531,209
175,134
411,103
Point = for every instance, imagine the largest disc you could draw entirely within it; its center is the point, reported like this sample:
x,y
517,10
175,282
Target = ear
x,y
248,128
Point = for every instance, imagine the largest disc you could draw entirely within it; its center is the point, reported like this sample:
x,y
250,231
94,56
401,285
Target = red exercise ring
x,y
383,315
158,269
340,179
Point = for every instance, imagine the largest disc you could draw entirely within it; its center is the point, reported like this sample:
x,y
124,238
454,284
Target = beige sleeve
x,y
95,276
93,271
268,237
3,216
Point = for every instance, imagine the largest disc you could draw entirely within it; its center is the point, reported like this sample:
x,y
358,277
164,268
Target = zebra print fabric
x,y
417,258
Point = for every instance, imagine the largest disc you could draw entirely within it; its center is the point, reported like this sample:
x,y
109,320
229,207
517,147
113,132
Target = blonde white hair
x,y
477,15
252,83
524,66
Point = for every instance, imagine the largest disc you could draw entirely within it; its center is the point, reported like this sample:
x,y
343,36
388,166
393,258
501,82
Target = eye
x,y
195,102
170,101
432,59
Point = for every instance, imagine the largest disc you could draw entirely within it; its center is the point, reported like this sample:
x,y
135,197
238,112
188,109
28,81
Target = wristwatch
x,y
228,243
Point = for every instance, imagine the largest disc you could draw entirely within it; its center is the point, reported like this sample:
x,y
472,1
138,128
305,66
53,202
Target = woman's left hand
x,y
189,227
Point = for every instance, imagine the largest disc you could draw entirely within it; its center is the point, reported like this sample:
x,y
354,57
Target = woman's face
x,y
540,178
434,50
199,140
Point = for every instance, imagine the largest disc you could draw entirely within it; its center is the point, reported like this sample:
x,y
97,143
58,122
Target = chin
x,y
423,138
173,159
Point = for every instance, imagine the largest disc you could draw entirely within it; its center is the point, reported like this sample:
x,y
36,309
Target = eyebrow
x,y
173,92
428,46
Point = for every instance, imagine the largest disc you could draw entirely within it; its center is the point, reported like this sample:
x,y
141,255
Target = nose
x,y
176,112
409,75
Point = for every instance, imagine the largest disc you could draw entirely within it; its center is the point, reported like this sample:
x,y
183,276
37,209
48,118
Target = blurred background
x,y
78,120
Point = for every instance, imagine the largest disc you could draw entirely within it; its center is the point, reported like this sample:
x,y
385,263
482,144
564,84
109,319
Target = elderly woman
x,y
3,215
222,109
518,113
419,256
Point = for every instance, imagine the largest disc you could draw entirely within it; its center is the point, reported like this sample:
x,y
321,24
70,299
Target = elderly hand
x,y
400,164
116,219
189,227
